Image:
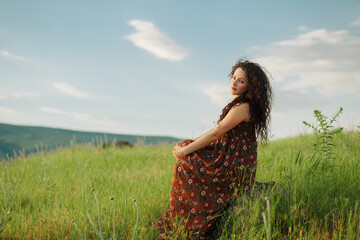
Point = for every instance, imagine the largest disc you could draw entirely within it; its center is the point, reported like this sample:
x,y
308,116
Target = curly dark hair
x,y
258,95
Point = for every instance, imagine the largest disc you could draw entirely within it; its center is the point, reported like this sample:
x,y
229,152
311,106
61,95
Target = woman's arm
x,y
235,116
202,135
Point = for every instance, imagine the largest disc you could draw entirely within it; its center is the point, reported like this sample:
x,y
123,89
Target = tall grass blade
x,y
81,234
137,221
267,219
114,221
94,226
99,218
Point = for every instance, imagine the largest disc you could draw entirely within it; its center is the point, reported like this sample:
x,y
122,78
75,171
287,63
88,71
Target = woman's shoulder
x,y
242,108
242,104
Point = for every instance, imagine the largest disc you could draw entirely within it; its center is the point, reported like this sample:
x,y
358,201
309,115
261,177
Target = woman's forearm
x,y
201,142
202,135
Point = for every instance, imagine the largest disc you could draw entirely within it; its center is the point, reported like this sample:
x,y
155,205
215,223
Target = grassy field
x,y
41,194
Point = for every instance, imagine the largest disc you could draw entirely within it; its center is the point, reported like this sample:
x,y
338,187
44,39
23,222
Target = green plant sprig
x,y
324,142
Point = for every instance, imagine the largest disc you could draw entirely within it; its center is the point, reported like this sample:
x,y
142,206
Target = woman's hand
x,y
179,152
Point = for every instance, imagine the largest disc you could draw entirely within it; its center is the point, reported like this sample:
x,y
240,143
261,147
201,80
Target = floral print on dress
x,y
205,181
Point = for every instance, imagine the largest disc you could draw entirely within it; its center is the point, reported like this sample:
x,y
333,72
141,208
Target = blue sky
x,y
160,67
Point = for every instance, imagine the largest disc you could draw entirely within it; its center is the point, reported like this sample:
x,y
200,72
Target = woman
x,y
221,162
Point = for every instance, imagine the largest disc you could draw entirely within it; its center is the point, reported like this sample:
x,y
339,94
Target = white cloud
x,y
3,97
319,36
356,22
302,28
27,95
151,39
325,60
54,111
79,116
70,90
6,111
11,55
219,94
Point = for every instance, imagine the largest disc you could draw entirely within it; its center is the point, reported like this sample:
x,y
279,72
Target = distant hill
x,y
14,138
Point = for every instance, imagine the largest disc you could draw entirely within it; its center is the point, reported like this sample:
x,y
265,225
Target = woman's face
x,y
239,82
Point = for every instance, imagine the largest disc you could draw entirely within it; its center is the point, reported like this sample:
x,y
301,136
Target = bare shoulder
x,y
235,116
242,109
242,105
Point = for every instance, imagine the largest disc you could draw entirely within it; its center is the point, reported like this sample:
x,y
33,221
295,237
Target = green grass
x,y
43,193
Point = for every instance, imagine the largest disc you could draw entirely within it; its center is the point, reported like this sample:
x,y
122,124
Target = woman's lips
x,y
233,88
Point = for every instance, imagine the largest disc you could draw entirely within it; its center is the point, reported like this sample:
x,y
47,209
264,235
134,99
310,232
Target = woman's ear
x,y
248,95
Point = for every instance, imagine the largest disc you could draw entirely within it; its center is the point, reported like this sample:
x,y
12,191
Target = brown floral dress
x,y
205,181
